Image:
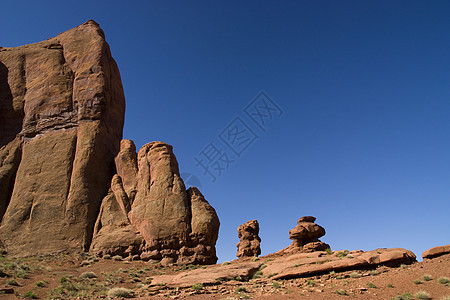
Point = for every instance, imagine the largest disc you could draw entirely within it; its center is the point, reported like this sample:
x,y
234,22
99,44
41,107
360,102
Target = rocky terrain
x,y
68,182
84,215
377,274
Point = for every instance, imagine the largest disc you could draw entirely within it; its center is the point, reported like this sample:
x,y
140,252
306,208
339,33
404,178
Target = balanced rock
x,y
61,118
249,244
305,237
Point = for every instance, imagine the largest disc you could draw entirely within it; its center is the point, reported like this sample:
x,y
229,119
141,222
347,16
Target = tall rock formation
x,y
67,180
61,119
157,218
249,244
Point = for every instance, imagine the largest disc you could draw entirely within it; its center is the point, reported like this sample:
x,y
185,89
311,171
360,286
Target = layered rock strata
x,y
249,244
305,237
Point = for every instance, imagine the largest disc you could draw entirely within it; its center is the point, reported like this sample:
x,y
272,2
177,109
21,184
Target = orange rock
x,y
165,222
436,251
249,244
61,123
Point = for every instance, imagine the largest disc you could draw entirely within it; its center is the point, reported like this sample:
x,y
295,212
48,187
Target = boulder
x,y
436,251
61,119
249,244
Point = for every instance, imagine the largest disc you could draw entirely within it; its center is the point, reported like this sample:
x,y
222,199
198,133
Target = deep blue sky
x,y
364,140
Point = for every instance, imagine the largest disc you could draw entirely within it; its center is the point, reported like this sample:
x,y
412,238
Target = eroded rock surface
x,y
288,266
436,251
249,244
68,182
211,275
157,218
305,237
307,264
61,118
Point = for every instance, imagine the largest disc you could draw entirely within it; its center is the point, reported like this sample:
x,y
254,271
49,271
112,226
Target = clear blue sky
x,y
363,142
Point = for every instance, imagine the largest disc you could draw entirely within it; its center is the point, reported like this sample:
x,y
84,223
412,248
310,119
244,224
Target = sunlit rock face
x,y
68,182
61,119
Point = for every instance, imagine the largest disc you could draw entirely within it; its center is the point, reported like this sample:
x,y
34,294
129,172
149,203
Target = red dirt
x,y
385,282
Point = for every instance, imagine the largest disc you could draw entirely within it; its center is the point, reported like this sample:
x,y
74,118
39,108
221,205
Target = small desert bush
x,y
445,298
255,258
342,253
12,281
225,263
341,292
22,272
310,282
257,274
390,285
405,296
443,280
329,251
30,295
417,281
403,266
355,275
85,263
87,275
427,277
40,284
119,292
197,286
241,289
117,257
422,295
276,285
371,285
